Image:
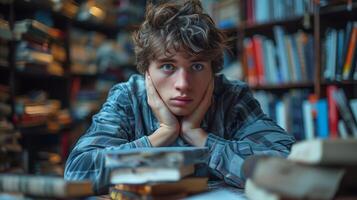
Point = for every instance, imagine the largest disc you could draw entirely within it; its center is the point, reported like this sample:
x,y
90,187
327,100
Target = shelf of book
x,y
286,86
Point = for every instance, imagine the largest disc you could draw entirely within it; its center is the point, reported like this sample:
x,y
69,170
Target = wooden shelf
x,y
25,74
250,29
284,86
337,9
339,83
107,29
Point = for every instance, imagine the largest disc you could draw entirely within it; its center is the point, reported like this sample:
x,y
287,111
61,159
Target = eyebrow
x,y
174,60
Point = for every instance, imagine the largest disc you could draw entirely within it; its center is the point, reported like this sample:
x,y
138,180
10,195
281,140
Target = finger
x,y
149,89
208,94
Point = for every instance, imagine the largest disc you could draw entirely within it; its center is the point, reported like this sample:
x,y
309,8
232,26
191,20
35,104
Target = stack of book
x,y
315,169
39,50
156,173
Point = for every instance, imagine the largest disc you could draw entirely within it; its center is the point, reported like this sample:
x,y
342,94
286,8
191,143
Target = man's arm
x,y
112,128
253,133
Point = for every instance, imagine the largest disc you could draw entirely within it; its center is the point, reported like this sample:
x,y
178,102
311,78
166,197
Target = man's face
x,y
181,81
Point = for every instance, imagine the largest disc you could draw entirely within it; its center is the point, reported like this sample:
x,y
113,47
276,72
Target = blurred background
x,y
59,58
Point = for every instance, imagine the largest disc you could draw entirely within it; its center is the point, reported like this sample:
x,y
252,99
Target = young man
x,y
179,101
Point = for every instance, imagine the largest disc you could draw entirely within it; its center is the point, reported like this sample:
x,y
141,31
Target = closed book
x,y
116,194
295,180
44,186
140,175
189,185
336,152
156,157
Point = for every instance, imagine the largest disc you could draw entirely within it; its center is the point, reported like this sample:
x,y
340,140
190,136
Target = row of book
x,y
340,53
263,11
307,117
315,169
289,58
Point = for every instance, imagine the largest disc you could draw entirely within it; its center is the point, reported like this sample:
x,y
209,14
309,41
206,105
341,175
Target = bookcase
x,y
57,63
295,55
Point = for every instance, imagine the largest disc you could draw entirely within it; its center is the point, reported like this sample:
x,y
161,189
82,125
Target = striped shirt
x,y
235,124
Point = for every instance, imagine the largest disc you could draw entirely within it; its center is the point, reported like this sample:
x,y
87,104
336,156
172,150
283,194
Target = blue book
x,y
282,54
322,119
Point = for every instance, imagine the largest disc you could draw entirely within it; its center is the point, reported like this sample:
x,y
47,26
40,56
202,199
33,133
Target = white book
x,y
141,175
308,121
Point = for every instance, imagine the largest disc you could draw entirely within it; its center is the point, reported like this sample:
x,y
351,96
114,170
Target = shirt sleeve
x,y
111,128
252,133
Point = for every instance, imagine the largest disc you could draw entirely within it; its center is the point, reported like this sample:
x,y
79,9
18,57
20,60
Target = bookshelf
x,y
257,36
47,140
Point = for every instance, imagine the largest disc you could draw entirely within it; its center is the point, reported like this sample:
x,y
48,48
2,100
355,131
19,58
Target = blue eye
x,y
167,67
197,67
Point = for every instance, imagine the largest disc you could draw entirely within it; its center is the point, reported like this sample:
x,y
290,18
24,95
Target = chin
x,y
181,112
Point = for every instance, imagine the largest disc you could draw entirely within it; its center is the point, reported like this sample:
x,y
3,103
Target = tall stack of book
x,y
315,169
10,149
156,173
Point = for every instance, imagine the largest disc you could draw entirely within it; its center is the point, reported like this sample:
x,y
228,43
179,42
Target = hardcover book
x,y
156,157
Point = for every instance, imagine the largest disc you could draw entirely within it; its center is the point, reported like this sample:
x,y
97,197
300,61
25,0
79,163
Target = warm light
x,y
96,11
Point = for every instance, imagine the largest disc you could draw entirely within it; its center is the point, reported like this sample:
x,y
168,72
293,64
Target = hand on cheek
x,y
190,125
169,125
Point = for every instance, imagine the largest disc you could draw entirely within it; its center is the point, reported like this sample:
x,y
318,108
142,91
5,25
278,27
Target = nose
x,y
182,81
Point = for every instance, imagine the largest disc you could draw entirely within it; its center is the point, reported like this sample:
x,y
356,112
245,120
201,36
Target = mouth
x,y
181,101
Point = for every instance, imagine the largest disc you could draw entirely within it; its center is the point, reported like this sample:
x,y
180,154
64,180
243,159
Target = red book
x,y
259,59
250,62
332,111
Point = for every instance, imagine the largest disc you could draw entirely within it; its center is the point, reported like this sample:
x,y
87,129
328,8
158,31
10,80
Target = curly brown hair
x,y
181,25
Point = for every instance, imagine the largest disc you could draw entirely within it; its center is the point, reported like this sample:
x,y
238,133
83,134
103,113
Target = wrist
x,y
196,137
163,136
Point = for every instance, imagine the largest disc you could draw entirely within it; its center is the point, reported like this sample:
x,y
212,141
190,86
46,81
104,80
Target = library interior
x,y
78,116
